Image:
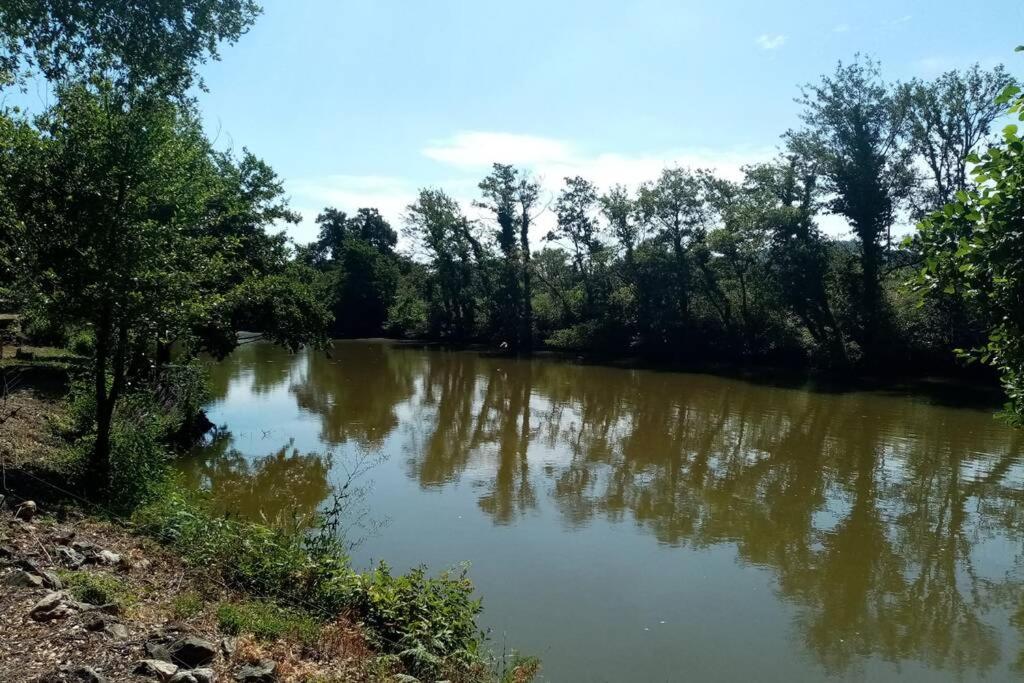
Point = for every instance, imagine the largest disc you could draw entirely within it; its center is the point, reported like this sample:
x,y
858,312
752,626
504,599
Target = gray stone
x,y
63,536
26,511
70,557
192,652
54,605
157,650
22,579
89,675
155,668
227,646
203,675
183,677
108,558
116,631
264,672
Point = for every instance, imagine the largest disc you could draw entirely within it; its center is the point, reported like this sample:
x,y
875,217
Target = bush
x,y
267,621
427,622
97,588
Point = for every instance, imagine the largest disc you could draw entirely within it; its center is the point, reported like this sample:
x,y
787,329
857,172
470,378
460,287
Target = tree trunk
x,y
526,319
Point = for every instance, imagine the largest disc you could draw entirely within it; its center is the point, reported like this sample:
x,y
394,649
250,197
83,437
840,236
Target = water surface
x,y
632,525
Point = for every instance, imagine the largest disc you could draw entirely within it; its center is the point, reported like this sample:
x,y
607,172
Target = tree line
x,y
695,266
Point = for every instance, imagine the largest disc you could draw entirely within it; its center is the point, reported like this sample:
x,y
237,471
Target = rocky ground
x,y
83,599
152,619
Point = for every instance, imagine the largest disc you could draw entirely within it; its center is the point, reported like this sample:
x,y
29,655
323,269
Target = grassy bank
x,y
289,585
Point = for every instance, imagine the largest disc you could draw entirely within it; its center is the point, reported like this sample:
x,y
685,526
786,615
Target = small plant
x,y
97,588
187,605
267,621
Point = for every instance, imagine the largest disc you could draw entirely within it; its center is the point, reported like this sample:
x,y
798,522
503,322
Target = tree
x,y
126,234
358,254
156,44
511,196
855,136
436,222
675,205
576,209
974,247
949,117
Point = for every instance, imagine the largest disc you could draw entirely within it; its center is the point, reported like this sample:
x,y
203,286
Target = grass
x,y
97,588
267,621
187,605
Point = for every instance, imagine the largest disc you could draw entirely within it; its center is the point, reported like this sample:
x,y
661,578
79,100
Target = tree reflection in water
x,y
874,513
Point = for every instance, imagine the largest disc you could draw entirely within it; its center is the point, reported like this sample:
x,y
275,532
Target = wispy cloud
x,y
467,156
771,42
899,20
476,149
840,28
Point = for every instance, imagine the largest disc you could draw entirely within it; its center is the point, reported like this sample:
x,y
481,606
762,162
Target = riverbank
x,y
97,592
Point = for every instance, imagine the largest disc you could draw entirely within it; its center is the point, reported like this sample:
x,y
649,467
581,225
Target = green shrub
x,y
187,605
427,622
267,621
97,588
82,342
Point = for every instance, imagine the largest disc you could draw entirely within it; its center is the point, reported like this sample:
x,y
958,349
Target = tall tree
x,y
949,117
155,44
675,205
974,247
576,211
123,204
855,134
436,222
511,195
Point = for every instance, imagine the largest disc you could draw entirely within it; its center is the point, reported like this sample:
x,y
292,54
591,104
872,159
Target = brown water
x,y
630,525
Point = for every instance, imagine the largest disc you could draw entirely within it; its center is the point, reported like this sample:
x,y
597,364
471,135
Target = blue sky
x,y
360,103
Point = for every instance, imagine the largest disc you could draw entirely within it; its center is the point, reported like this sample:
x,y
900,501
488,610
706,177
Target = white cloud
x,y
771,42
390,195
898,21
478,149
469,154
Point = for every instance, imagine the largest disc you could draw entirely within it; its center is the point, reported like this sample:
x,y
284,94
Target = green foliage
x,y
157,44
97,588
267,621
187,605
974,248
429,623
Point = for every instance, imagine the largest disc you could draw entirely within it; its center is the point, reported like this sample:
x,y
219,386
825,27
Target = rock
x,y
89,675
26,511
264,672
155,668
227,646
108,558
203,675
63,536
116,631
50,579
54,606
6,552
183,677
22,579
192,652
94,622
157,650
70,557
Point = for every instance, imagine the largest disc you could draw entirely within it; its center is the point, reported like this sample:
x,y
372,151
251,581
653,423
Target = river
x,y
637,525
